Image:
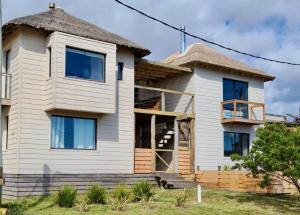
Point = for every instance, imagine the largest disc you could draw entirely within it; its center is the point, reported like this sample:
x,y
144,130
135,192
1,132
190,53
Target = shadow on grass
x,y
281,203
20,206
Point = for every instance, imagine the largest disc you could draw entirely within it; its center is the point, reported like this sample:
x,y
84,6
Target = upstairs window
x,y
236,143
233,89
73,133
120,68
7,61
85,64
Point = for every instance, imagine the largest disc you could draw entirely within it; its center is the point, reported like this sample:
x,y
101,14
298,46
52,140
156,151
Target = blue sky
x,y
269,28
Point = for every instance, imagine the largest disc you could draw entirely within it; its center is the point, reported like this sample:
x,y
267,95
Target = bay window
x,y
85,64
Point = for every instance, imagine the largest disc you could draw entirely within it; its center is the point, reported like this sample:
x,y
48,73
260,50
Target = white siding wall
x,y
90,96
182,83
115,135
11,155
209,130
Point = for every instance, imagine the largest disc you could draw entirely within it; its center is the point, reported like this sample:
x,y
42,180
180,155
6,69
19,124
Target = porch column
x,y
153,122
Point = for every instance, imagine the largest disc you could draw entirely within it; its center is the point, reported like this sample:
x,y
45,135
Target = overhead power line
x,y
206,40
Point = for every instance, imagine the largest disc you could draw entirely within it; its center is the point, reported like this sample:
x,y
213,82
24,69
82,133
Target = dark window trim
x,y
7,124
94,119
50,61
86,50
7,53
235,133
120,73
234,82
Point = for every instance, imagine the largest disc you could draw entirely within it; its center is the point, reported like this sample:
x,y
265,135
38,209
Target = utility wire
x,y
205,40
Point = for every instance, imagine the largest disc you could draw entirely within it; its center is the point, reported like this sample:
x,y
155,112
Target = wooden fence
x,y
142,160
240,181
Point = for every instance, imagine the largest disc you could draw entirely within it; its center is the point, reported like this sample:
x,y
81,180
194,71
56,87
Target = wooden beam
x,y
163,101
192,145
164,113
153,147
163,90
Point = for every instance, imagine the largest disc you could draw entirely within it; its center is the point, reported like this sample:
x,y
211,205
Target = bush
x,y
120,196
66,197
96,194
143,191
181,199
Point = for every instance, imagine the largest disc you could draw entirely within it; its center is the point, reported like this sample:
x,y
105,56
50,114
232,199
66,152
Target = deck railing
x,y
6,86
163,100
242,111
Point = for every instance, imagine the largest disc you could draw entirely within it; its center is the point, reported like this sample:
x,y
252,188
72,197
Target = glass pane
x,y
241,90
73,133
228,89
84,64
245,144
228,143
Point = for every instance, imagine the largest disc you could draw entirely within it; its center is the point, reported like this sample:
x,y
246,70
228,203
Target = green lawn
x,y
214,202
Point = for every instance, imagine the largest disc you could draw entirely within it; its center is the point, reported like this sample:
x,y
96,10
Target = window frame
x,y
234,84
86,50
66,116
120,72
49,51
235,134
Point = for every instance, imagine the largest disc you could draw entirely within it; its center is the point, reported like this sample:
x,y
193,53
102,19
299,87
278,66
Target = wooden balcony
x,y
157,101
6,89
242,112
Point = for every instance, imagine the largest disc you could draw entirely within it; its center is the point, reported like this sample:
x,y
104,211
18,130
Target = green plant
x,y
143,190
275,154
96,194
120,196
66,197
82,204
181,199
227,168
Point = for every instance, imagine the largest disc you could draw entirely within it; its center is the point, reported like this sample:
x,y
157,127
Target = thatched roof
x,y
200,54
57,19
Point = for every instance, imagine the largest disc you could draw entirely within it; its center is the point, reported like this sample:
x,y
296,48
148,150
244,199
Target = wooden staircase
x,y
175,181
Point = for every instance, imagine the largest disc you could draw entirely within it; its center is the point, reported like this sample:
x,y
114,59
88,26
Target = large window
x,y
85,64
73,133
233,89
236,143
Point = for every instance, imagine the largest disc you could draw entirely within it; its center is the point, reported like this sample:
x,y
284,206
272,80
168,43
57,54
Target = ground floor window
x,y
236,143
73,133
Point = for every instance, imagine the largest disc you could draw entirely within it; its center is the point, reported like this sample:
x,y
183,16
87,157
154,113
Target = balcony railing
x,y
239,111
6,88
163,101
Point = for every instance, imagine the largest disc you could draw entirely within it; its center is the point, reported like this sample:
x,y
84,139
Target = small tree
x,y
275,153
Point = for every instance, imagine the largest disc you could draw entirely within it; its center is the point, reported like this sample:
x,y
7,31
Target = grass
x,y
214,202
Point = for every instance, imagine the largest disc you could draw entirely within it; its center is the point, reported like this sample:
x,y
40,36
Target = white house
x,y
80,105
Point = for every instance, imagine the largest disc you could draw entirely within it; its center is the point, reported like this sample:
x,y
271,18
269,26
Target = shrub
x,y
82,204
96,194
66,197
120,196
181,199
227,168
143,191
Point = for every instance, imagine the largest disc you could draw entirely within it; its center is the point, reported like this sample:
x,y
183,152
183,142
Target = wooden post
x,y
193,104
234,109
222,111
163,101
192,145
153,122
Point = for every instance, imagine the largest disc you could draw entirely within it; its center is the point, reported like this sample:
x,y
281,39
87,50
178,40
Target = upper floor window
x,y
233,89
85,64
236,143
73,133
120,68
7,61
